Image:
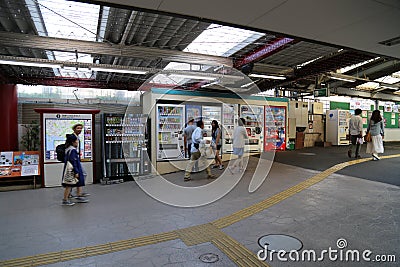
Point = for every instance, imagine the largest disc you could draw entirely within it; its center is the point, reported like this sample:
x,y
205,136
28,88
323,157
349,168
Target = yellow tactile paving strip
x,y
84,252
192,235
199,234
238,253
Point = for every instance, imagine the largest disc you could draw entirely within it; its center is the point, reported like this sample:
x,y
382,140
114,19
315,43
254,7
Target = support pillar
x,y
9,117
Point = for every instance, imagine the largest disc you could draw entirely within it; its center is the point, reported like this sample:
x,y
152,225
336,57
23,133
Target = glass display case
x,y
254,125
170,125
210,113
229,121
124,148
275,128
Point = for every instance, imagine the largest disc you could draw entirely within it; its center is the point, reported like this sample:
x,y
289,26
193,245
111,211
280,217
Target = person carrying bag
x,y
73,173
376,131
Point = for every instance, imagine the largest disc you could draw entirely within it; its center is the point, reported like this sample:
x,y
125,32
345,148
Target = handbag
x,y
69,175
367,137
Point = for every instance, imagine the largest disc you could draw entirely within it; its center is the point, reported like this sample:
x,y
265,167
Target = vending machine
x,y
210,113
275,128
337,126
229,122
170,125
254,116
124,145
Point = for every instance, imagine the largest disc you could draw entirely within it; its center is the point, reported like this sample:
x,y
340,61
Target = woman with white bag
x,y
376,129
73,173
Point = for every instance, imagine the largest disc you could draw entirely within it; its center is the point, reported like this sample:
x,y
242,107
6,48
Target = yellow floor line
x,y
209,232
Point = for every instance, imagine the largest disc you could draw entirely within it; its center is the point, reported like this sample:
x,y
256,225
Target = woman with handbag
x,y
376,130
216,144
73,172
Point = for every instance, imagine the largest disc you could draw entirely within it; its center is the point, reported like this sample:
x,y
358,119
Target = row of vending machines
x,y
265,126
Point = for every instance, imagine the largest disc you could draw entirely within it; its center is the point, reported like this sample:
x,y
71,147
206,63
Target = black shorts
x,y
219,147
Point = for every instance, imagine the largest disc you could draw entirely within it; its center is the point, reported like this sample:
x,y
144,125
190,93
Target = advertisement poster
x,y
6,158
19,163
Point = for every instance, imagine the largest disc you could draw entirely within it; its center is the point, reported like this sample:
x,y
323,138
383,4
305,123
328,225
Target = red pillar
x,y
9,117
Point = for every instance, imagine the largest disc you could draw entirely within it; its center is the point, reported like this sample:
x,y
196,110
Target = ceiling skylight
x,y
388,79
223,41
216,40
71,20
68,19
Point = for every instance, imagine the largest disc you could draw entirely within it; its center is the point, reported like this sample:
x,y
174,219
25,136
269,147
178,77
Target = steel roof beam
x,y
365,94
385,68
97,48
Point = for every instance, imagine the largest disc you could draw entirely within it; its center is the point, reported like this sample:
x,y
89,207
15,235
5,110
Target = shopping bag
x,y
367,137
69,176
360,140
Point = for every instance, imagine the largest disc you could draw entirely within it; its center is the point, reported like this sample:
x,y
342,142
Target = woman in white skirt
x,y
239,140
375,127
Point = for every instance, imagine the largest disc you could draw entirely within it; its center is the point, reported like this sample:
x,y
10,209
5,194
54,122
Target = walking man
x,y
197,143
355,131
187,136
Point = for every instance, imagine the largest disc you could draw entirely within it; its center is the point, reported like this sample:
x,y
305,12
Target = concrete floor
x,y
299,198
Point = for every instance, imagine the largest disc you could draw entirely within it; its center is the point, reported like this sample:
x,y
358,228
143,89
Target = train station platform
x,y
317,197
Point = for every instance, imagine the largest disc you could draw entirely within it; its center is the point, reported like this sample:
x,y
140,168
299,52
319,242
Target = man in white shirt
x,y
197,142
187,136
355,131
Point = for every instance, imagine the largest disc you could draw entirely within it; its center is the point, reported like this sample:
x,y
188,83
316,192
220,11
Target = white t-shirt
x,y
355,125
239,137
197,138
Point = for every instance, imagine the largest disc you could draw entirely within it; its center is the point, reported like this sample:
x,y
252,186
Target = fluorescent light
x,y
267,76
247,84
219,67
120,70
343,79
209,84
193,76
29,64
389,86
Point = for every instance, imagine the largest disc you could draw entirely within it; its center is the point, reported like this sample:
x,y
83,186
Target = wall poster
x,y
19,163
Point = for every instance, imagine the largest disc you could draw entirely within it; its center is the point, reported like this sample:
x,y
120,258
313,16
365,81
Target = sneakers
x,y
211,176
187,179
82,195
81,200
349,153
375,157
67,203
221,167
